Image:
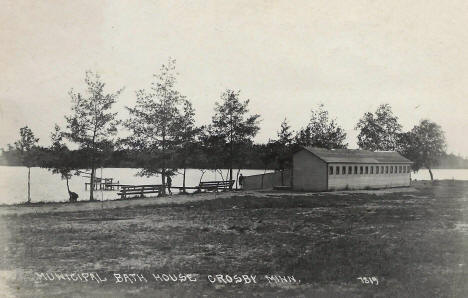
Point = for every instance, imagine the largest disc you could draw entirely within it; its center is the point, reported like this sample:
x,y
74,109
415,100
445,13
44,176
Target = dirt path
x,y
111,204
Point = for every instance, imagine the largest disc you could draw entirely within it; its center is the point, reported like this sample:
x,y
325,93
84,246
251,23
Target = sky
x,y
285,56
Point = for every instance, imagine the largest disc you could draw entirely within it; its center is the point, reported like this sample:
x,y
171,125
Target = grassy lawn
x,y
414,243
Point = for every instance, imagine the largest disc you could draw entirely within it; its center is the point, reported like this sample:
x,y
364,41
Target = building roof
x,y
356,156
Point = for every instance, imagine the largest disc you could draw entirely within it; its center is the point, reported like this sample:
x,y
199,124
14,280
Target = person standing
x,y
169,184
241,180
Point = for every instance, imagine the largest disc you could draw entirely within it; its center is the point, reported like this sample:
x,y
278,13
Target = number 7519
x,y
369,280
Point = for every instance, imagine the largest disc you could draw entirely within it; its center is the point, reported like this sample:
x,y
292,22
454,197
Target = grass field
x,y
414,243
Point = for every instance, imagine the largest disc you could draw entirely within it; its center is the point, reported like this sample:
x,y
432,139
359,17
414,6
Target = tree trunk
x,y
183,183
163,170
230,168
263,177
163,180
91,191
237,176
68,187
430,173
29,185
232,151
93,166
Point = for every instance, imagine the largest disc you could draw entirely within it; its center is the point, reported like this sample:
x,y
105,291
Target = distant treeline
x,y
125,158
452,161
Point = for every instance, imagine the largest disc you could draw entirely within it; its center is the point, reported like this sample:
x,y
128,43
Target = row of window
x,y
361,170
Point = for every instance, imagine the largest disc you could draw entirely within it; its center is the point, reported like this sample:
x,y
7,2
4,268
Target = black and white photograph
x,y
213,148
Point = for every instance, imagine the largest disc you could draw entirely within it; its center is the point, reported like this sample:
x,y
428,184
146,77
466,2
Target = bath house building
x,y
318,169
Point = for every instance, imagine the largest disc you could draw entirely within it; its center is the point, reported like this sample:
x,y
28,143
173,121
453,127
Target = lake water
x,y
48,187
441,174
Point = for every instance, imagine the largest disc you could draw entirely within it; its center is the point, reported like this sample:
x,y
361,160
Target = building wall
x,y
269,180
362,181
309,172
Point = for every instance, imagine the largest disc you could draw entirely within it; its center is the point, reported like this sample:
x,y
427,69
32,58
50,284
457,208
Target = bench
x,y
139,190
215,185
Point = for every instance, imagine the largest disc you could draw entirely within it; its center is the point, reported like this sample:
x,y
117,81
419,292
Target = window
x,y
391,169
337,170
361,170
367,170
399,169
386,169
355,169
343,170
372,169
350,170
331,170
377,169
381,169
408,169
404,169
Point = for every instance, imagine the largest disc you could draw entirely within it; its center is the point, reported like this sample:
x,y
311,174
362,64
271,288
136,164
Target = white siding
x,y
362,181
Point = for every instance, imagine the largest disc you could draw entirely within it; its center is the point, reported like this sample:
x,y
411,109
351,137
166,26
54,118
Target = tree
x,y
233,125
213,149
92,125
379,131
186,139
155,124
321,131
424,145
242,157
12,156
283,147
26,146
59,159
267,155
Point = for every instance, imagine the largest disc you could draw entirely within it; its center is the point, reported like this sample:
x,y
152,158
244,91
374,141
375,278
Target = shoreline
x,y
45,207
179,199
